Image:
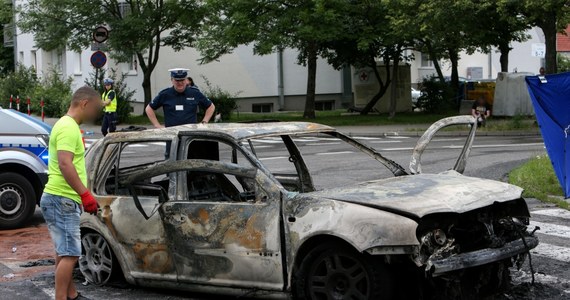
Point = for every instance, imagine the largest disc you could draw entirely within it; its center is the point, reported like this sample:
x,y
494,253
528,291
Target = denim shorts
x,y
62,218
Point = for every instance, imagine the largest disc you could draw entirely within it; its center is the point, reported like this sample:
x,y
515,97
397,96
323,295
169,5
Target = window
x,y
324,105
34,60
217,151
21,57
130,67
129,159
426,61
262,108
77,63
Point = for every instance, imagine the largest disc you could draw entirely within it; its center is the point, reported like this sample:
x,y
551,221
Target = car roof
x,y
15,122
238,131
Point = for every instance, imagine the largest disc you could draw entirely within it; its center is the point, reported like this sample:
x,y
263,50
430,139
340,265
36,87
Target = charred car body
x,y
225,223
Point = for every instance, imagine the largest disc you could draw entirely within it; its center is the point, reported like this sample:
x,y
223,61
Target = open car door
x,y
425,139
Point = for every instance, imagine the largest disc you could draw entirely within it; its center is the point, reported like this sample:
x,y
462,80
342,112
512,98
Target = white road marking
x,y
272,158
445,140
366,138
397,149
552,252
91,140
323,144
554,212
158,143
551,229
385,142
334,153
494,145
398,137
136,146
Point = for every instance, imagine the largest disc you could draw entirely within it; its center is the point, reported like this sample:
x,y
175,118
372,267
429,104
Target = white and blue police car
x,y
23,166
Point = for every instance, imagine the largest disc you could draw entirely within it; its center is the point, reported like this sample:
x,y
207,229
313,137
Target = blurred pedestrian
x,y
109,98
542,71
66,190
481,110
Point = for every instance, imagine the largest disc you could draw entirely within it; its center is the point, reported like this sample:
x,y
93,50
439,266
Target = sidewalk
x,y
411,130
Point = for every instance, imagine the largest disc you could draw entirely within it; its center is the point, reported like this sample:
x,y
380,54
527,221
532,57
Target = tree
x,y
552,16
272,26
372,31
137,28
6,53
503,25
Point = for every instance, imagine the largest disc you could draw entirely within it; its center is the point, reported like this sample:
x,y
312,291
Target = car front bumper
x,y
480,257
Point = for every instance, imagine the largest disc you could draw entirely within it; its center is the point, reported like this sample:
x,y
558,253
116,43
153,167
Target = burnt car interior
x,y
214,186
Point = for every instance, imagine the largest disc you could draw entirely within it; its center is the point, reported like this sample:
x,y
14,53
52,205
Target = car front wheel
x,y
333,272
97,263
17,200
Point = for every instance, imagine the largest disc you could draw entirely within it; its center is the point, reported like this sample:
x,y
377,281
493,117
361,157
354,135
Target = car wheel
x,y
333,272
97,263
17,200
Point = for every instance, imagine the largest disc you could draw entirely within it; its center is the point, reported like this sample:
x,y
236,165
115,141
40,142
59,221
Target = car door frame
x,y
141,255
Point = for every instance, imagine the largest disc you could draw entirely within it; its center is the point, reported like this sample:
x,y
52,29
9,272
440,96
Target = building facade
x,y
267,83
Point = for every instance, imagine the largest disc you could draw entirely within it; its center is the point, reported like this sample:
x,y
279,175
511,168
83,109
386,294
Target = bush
x,y
436,96
123,93
224,101
56,93
22,82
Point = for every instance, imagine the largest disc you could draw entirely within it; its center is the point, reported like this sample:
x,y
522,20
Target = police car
x,y
23,166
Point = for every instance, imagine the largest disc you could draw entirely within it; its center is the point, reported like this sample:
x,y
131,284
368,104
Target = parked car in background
x,y
224,216
415,96
23,166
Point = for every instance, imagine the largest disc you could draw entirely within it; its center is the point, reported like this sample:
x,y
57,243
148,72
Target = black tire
x,y
330,271
98,263
17,200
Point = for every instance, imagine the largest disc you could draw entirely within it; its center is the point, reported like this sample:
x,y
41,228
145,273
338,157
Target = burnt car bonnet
x,y
423,194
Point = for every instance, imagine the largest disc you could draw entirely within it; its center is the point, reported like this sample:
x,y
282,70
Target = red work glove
x,y
89,203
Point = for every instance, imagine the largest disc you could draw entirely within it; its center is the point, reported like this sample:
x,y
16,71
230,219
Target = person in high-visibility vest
x,y
109,98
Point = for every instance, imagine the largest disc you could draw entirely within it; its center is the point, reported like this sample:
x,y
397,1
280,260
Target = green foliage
x,y
56,93
139,28
224,101
563,63
22,82
538,180
123,93
437,96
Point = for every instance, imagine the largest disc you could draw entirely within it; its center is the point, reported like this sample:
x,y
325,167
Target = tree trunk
x,y
394,86
146,90
454,58
504,48
311,82
435,60
383,85
549,29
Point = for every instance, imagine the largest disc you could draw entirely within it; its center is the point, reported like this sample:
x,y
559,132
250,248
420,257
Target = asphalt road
x,y
334,164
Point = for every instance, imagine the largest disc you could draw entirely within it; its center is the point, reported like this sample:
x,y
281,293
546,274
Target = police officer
x,y
179,103
109,98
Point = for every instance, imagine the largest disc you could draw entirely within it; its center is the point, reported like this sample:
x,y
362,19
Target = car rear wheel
x,y
98,263
333,272
17,200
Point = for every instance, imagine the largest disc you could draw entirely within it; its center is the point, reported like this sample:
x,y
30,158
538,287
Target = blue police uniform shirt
x,y
180,108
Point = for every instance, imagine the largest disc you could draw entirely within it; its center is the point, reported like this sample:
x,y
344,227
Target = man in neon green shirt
x,y
66,190
109,98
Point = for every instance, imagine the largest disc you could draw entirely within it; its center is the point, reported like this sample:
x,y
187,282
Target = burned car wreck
x,y
217,217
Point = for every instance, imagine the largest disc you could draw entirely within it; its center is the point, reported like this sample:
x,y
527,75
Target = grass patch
x,y
539,181
340,118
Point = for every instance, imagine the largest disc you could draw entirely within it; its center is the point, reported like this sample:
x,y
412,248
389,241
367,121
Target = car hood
x,y
420,195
